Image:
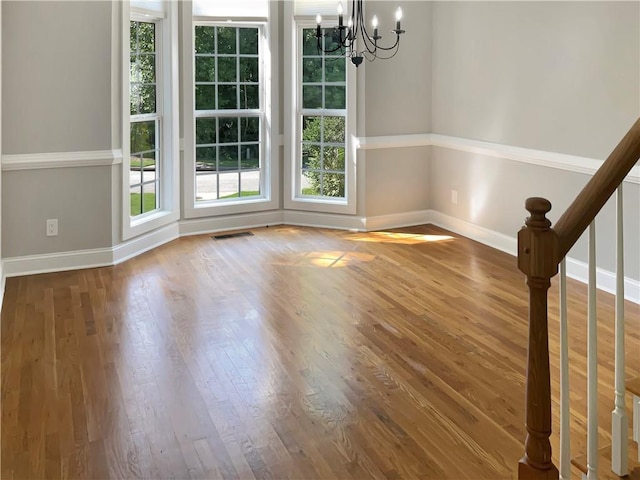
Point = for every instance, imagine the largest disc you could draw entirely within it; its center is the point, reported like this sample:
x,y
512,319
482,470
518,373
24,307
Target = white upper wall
x,y
56,76
556,76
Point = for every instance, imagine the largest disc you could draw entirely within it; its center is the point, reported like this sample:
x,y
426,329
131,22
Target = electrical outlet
x,y
454,196
52,227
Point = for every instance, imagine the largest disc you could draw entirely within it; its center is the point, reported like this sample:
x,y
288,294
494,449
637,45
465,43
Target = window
x,y
144,165
228,113
231,152
323,112
150,144
319,147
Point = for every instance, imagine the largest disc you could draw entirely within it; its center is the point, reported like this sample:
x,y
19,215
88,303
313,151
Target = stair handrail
x,y
540,250
575,220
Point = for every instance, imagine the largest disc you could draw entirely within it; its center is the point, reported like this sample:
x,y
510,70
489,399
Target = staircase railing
x,y
541,249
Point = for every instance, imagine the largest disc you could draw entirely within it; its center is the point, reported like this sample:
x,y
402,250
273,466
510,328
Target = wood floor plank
x,y
293,353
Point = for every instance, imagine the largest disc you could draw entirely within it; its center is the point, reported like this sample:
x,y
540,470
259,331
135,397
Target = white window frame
x,y
293,125
269,198
168,210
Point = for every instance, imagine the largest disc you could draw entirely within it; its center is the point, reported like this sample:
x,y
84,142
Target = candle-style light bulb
x,y
318,28
398,18
340,17
374,22
318,19
339,8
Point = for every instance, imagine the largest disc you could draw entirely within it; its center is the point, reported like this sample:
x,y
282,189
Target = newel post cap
x,y
537,241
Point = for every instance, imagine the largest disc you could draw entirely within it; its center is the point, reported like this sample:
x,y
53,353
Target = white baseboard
x,y
3,282
57,262
144,243
480,234
576,269
398,220
230,222
324,220
605,280
80,259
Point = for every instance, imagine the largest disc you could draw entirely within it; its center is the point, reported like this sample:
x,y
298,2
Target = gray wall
x,y
57,76
397,101
557,76
80,198
56,89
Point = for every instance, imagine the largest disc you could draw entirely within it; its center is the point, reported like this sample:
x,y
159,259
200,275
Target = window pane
x,y
248,40
250,156
250,184
227,69
228,130
229,185
205,69
147,98
146,66
249,97
333,185
250,129
309,42
335,98
333,158
249,69
332,42
333,129
312,70
149,198
228,158
226,40
311,157
205,97
135,200
311,182
206,159
206,186
205,39
134,99
206,130
134,69
227,97
143,136
311,129
146,37
311,97
133,37
335,70
135,169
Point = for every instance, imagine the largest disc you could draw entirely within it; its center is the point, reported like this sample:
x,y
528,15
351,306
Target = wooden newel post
x,y
538,259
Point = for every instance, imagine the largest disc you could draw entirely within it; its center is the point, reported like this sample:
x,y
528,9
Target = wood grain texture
x,y
295,353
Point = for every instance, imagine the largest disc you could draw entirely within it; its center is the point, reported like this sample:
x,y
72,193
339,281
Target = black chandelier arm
x,y
371,58
370,44
353,40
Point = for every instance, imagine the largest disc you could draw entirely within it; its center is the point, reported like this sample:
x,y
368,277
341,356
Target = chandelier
x,y
353,39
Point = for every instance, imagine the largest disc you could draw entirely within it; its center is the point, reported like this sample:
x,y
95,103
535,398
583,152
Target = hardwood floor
x,y
293,353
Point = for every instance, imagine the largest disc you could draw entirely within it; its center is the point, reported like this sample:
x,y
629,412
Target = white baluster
x,y
592,363
619,419
565,438
636,422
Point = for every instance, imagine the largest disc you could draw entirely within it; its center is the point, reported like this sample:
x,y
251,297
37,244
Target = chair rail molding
x,y
543,158
36,161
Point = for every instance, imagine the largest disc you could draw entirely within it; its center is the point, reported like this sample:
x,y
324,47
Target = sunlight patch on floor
x,y
402,238
330,259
